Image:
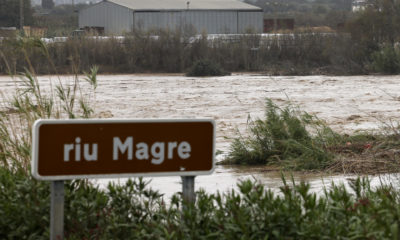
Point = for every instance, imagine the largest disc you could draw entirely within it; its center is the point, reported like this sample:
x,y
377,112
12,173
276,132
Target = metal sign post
x,y
57,210
189,196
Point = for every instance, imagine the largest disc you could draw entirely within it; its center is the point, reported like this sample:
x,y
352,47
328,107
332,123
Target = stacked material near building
x,y
208,16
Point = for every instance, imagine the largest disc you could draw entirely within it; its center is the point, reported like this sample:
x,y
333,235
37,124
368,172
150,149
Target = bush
x,y
118,212
173,52
387,60
133,211
284,137
206,67
24,206
292,139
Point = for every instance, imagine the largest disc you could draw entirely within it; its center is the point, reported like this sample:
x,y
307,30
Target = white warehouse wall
x,y
117,19
202,21
250,21
114,18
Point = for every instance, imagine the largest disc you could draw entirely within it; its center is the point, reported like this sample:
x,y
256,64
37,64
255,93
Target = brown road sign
x,y
70,149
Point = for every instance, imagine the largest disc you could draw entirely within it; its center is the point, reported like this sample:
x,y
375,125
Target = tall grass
x,y
293,139
286,136
32,101
175,52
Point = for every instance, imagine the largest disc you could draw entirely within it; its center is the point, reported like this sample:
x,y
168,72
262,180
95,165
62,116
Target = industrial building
x,y
115,17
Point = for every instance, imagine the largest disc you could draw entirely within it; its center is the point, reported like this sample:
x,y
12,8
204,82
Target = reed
x,y
284,137
174,52
31,102
293,139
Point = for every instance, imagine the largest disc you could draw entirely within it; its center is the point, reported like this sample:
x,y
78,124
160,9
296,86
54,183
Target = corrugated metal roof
x,y
142,5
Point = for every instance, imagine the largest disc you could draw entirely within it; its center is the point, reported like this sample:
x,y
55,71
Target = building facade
x,y
201,16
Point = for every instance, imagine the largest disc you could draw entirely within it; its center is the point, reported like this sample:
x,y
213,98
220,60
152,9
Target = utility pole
x,y
21,15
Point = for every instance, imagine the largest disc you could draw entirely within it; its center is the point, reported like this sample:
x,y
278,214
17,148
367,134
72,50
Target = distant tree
x,y
336,17
318,9
378,23
47,4
375,32
9,13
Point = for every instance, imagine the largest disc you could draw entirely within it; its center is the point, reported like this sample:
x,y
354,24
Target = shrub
x,y
24,206
133,211
173,51
206,68
387,60
118,212
284,137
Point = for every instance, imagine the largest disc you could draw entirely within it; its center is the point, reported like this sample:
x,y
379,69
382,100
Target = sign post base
x,y
188,194
57,210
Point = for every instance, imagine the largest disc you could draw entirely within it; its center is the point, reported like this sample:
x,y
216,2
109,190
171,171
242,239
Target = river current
x,y
346,103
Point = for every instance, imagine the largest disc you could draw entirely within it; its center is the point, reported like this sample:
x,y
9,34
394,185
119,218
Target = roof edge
x,y
250,8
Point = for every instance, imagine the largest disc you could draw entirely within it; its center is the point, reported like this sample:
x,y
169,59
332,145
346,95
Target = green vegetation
x,y
10,13
31,102
133,211
328,39
293,139
284,138
387,60
375,34
366,43
205,67
297,54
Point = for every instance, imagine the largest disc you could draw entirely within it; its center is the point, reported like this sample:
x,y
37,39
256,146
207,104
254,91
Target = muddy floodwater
x,y
347,104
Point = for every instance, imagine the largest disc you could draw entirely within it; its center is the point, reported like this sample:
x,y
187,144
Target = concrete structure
x,y
209,16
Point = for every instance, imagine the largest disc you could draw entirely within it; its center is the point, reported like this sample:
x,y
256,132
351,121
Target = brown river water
x,y
346,103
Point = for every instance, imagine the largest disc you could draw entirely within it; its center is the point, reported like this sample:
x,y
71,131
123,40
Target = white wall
x,y
114,18
117,19
211,22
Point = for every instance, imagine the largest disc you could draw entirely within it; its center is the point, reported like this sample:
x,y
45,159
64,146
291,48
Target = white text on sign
x,y
157,152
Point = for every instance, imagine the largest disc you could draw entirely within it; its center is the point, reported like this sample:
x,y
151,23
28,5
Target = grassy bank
x,y
293,139
304,53
172,52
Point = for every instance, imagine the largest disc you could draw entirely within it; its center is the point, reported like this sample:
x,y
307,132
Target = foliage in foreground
x,y
133,211
286,135
32,101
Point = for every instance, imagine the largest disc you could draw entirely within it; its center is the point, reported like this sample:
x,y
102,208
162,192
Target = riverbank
x,y
171,52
